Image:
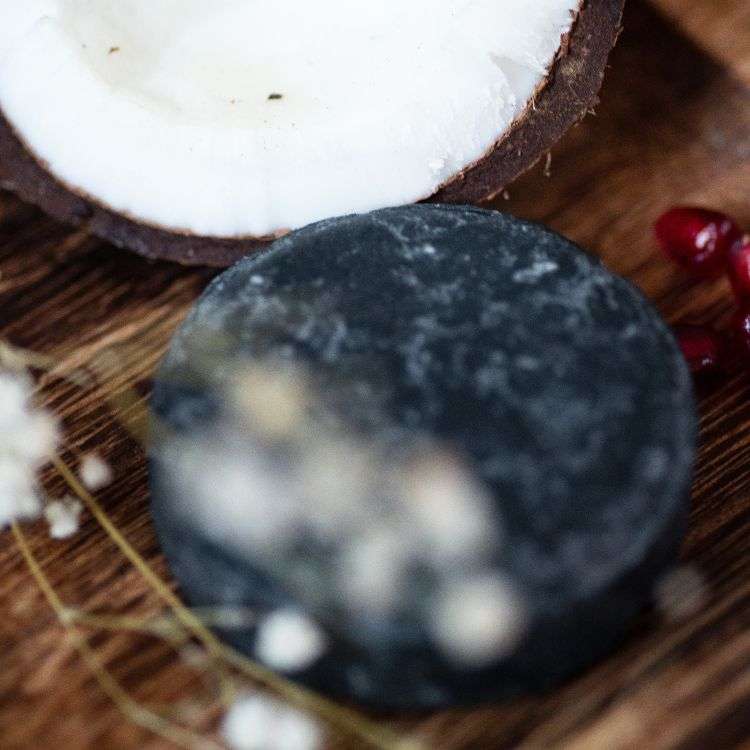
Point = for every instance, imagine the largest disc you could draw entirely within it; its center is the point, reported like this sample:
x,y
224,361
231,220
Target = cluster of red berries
x,y
708,243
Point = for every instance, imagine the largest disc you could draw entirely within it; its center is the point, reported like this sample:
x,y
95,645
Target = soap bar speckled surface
x,y
556,380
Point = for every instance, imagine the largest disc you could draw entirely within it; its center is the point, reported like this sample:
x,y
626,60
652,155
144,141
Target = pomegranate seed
x,y
702,348
741,330
697,239
739,269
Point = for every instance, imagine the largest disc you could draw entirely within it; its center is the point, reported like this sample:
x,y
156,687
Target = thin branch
x,y
119,696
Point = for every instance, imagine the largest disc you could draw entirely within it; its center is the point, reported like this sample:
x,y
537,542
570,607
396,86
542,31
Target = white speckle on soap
x,y
656,464
533,273
525,362
630,331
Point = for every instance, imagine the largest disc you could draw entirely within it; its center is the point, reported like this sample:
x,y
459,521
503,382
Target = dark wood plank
x,y
673,126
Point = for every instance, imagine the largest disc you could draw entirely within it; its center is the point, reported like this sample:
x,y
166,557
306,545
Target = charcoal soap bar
x,y
555,379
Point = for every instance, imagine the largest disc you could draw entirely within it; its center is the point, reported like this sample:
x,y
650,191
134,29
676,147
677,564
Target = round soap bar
x,y
426,456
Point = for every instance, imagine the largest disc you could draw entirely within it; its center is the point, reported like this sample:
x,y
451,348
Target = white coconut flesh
x,y
248,117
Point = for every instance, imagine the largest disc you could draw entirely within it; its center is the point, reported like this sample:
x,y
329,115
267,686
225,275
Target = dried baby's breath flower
x,y
289,641
95,472
273,402
256,722
63,517
477,621
28,437
371,570
451,509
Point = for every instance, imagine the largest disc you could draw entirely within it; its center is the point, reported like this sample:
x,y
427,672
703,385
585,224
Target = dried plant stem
x,y
19,359
160,626
163,628
128,706
348,721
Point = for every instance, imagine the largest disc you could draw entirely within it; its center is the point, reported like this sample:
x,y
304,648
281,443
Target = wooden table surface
x,y
673,127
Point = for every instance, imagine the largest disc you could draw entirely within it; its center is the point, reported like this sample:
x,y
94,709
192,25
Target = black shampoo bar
x,y
555,379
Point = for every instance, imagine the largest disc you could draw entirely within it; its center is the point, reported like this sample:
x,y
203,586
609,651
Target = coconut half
x,y
195,131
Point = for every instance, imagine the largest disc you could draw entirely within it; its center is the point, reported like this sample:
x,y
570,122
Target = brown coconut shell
x,y
567,95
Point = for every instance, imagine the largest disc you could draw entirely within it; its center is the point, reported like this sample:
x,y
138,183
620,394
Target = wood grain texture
x,y
673,126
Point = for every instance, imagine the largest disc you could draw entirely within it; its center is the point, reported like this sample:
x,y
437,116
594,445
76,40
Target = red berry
x,y
702,348
741,330
697,239
739,269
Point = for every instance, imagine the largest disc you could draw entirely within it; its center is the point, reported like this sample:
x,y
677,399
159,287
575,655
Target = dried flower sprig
x,y
184,623
27,437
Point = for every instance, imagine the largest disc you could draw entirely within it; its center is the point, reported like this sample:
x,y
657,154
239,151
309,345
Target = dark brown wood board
x,y
673,127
